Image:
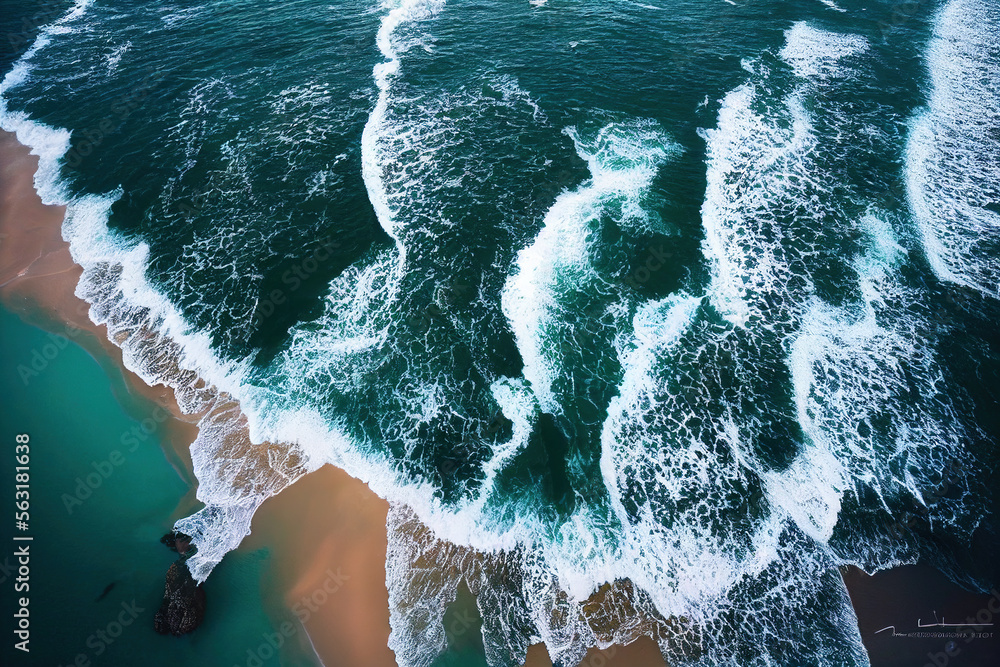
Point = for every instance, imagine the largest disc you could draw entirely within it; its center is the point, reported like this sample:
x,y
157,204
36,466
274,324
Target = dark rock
x,y
179,542
183,607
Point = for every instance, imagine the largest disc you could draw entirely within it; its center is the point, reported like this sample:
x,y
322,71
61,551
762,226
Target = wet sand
x,y
326,534
343,553
641,653
904,598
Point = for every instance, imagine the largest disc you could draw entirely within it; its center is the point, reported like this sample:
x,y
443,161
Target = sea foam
x,y
953,151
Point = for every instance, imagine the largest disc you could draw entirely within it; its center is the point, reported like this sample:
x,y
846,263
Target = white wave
x,y
815,53
678,458
623,160
868,396
157,343
854,348
668,463
518,406
172,15
373,156
953,150
833,5
49,144
115,56
757,169
764,184
357,330
670,549
643,5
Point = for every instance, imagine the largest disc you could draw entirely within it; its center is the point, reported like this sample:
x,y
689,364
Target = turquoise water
x,y
111,536
463,626
701,295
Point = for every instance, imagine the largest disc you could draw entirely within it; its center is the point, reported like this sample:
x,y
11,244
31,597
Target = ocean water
x,y
102,494
695,299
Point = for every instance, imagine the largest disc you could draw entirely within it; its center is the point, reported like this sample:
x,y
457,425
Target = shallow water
x,y
97,517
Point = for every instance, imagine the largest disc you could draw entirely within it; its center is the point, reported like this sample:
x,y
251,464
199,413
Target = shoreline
x,y
38,278
40,290
326,531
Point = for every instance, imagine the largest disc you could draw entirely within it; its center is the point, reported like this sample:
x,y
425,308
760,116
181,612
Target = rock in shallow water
x,y
178,541
183,607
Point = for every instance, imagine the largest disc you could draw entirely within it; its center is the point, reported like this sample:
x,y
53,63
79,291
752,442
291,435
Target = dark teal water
x,y
701,295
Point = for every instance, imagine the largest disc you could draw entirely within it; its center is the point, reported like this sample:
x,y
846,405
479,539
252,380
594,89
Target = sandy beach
x,y
326,535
